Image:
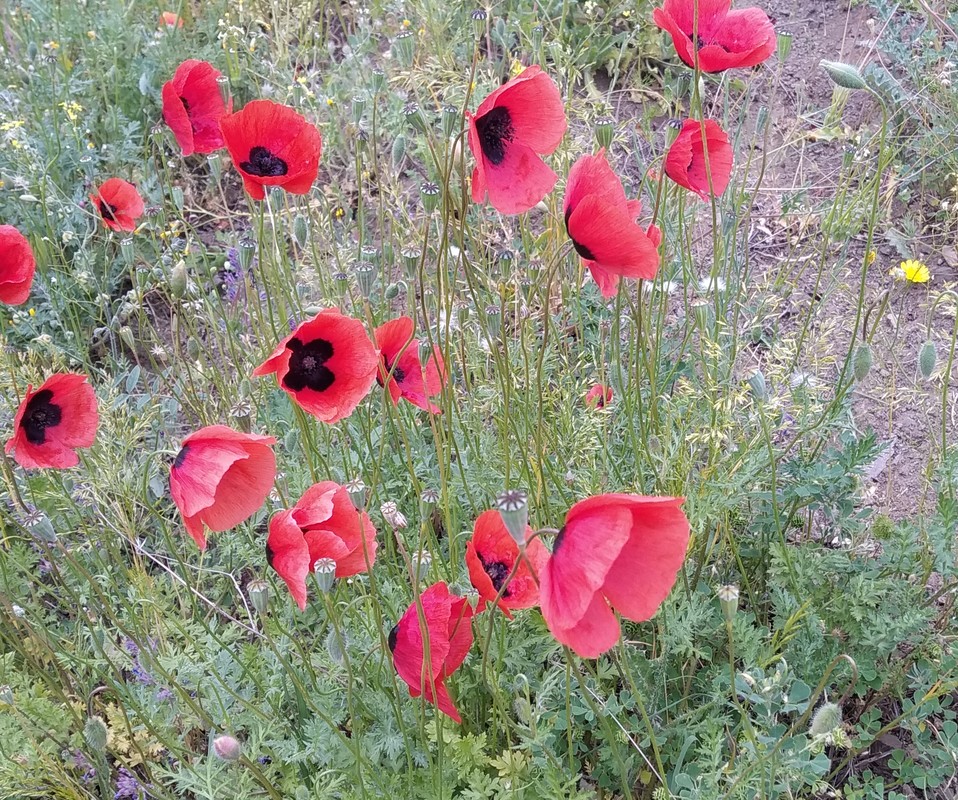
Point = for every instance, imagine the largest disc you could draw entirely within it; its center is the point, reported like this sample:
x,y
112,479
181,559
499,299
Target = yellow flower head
x,y
870,257
915,272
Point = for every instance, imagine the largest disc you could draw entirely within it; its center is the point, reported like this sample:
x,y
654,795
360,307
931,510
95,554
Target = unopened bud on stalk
x,y
259,595
826,719
176,194
404,48
95,734
216,166
300,230
325,571
227,748
393,290
513,507
927,358
398,151
356,490
126,336
429,194
450,121
604,131
365,278
758,386
179,280
728,599
862,361
761,118
479,19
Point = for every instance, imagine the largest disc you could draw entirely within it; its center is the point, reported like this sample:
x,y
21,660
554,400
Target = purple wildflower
x,y
128,787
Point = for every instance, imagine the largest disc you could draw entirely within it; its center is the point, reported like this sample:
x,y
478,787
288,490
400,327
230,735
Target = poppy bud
x,y
513,506
365,277
178,279
427,502
126,249
193,348
300,230
462,315
493,321
844,75
32,51
216,166
176,194
728,599
379,80
334,646
226,748
429,194
404,48
927,358
127,337
358,107
758,386
95,734
450,121
526,286
398,150
784,45
479,18
246,250
325,571
604,131
356,490
259,595
862,362
411,257
223,82
393,291
414,116
761,118
826,719
421,563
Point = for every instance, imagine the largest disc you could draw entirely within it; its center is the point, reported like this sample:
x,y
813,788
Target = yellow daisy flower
x,y
915,272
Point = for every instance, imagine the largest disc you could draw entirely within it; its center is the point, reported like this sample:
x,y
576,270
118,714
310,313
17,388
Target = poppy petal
x,y
241,492
596,631
520,181
288,553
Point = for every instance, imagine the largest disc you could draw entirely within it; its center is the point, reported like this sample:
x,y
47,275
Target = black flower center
x,y
306,366
270,555
180,457
391,639
558,542
186,104
581,249
108,210
39,415
264,164
398,375
497,571
495,129
700,43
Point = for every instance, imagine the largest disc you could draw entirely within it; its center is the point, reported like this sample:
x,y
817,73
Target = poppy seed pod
x,y
358,107
378,80
420,564
513,507
784,39
428,499
604,131
429,195
357,493
404,48
414,117
127,249
493,322
258,591
325,571
245,252
411,257
728,599
537,34
450,121
365,278
479,19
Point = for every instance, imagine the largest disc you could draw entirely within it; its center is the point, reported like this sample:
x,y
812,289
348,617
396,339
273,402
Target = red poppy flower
x,y
327,365
401,370
598,396
119,204
193,107
601,223
491,555
726,38
53,420
512,127
272,145
323,524
170,20
615,551
685,161
448,629
220,478
17,266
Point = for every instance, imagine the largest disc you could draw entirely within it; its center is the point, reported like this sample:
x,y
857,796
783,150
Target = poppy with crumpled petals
x,y
726,39
272,145
220,478
193,107
448,631
170,20
598,396
491,555
618,552
685,160
401,370
323,524
119,204
327,365
54,420
512,127
601,222
17,266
